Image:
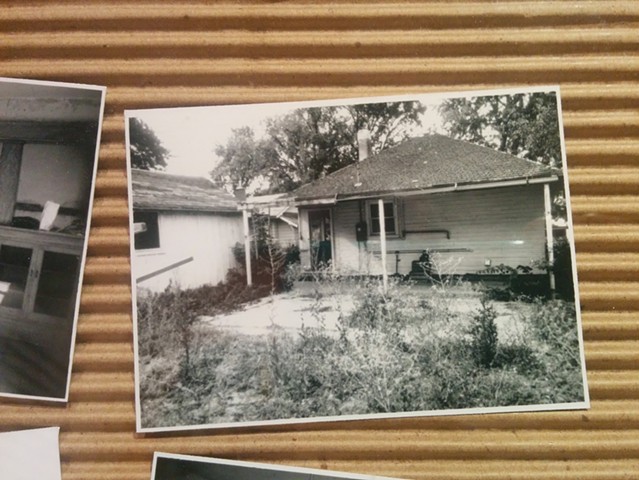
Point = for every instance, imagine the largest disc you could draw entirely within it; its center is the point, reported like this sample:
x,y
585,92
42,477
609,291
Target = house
x,y
48,139
185,229
468,206
281,216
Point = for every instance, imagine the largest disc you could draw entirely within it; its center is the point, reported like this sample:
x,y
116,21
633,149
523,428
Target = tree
x,y
307,144
147,151
242,159
525,125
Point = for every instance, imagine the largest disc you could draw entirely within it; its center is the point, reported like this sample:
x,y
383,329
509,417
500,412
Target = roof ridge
x,y
168,174
401,167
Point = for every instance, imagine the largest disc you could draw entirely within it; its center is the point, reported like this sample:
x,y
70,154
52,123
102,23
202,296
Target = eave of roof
x,y
424,165
160,191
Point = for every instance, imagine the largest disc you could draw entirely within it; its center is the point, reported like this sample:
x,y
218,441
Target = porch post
x,y
247,246
382,241
549,236
10,161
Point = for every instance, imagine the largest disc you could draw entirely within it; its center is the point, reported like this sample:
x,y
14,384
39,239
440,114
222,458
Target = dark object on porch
x,y
423,267
323,255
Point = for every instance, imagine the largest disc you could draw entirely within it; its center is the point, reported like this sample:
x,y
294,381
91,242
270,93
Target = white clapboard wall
x,y
152,54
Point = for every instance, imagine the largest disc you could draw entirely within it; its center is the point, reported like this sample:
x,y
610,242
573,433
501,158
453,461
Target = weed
x,y
404,349
483,333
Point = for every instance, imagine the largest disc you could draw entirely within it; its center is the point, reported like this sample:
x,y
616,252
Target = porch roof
x,y
278,205
421,164
166,192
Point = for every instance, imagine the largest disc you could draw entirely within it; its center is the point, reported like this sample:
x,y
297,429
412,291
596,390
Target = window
x,y
147,233
390,217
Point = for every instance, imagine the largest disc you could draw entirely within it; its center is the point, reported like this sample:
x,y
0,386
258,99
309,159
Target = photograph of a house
x,y
49,137
387,257
168,466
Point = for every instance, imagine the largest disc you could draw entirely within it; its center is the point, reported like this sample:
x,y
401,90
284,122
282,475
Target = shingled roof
x,y
422,163
165,192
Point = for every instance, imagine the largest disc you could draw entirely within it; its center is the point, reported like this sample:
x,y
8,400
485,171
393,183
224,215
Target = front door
x,y
320,235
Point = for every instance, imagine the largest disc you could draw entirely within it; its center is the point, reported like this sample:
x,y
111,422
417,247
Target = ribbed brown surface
x,y
157,54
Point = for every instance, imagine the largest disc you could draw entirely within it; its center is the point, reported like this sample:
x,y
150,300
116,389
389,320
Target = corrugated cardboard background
x,y
161,54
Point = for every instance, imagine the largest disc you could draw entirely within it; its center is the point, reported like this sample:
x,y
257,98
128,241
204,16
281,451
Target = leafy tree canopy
x,y
242,159
526,125
307,144
147,151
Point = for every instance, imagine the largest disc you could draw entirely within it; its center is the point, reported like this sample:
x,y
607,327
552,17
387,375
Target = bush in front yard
x,y
402,350
483,331
555,336
164,319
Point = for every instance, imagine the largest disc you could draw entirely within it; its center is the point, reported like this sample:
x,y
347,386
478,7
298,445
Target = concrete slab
x,y
308,307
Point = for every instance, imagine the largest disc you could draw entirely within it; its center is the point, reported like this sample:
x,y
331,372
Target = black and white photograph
x,y
49,138
186,467
352,259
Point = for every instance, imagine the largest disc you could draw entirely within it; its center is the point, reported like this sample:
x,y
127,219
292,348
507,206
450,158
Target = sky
x,y
192,133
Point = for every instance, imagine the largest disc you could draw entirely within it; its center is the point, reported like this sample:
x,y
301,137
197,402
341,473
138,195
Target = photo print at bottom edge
x,y
186,467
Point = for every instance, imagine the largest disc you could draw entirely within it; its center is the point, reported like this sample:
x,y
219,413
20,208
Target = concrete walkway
x,y
285,312
288,312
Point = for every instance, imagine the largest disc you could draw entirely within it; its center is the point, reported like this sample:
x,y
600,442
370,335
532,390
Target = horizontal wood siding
x,y
284,233
160,54
500,225
207,238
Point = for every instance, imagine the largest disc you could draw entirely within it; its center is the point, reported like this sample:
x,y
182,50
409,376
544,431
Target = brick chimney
x,y
364,142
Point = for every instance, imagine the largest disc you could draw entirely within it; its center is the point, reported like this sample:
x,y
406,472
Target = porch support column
x,y
10,161
382,242
549,236
247,246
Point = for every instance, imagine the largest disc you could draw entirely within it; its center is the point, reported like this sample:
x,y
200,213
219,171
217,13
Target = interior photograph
x,y
48,138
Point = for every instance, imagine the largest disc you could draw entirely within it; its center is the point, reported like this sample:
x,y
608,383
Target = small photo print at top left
x,y
49,139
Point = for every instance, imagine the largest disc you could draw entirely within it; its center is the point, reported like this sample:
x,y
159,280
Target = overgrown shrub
x,y
483,332
506,283
522,283
269,260
554,325
403,349
270,264
562,268
162,316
